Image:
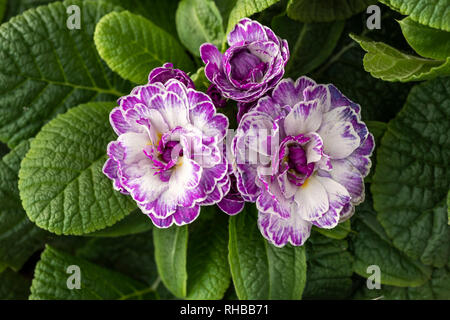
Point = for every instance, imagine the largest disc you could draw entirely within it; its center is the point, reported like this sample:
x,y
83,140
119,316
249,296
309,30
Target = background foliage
x,y
57,87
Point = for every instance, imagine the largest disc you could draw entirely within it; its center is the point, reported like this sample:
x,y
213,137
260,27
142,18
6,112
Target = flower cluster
x,y
300,151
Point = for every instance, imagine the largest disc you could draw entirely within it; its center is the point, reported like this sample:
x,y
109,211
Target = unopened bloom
x,y
167,72
168,155
252,65
301,154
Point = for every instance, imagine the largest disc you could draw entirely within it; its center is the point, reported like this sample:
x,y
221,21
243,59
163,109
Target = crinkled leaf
x,y
428,42
13,286
433,13
161,13
131,45
325,10
330,267
412,175
97,283
47,68
372,246
260,270
390,64
198,270
61,183
246,8
310,44
19,237
199,21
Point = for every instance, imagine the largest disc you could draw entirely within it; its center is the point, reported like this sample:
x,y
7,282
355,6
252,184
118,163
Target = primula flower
x,y
167,72
301,154
252,65
168,155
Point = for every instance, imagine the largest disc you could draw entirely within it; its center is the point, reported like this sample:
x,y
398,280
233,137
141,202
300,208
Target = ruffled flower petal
x,y
279,231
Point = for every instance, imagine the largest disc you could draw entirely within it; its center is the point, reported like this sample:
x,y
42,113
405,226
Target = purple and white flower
x,y
169,153
302,154
167,72
252,65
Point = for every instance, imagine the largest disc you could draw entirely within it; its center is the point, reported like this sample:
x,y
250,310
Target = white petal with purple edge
x,y
339,138
172,108
246,30
312,199
313,148
350,177
305,117
280,231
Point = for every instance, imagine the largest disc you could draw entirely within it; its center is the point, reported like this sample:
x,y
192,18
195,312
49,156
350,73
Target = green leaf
x,y
207,261
199,21
19,237
246,8
171,255
412,175
339,232
47,68
132,46
135,222
437,288
373,247
389,64
433,13
61,183
426,41
97,283
325,10
260,270
13,286
161,13
198,270
310,44
330,267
